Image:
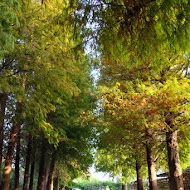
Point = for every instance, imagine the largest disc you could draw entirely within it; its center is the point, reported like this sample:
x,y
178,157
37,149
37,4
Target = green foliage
x,y
142,28
45,59
144,50
126,115
8,22
48,73
95,184
141,86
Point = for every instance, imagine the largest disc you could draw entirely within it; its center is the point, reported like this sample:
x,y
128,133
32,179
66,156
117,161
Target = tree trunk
x,y
17,162
42,168
11,146
139,176
9,158
150,160
57,180
32,175
151,168
176,175
45,176
50,176
47,167
26,173
3,98
124,186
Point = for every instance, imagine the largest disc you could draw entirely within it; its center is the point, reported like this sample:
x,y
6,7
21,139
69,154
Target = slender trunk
x,y
42,168
32,175
11,146
124,186
150,161
3,98
50,176
57,180
139,176
9,158
48,165
151,168
45,176
17,162
176,175
26,173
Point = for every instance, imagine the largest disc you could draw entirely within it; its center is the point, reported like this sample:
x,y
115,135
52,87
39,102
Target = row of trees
x,y
140,123
144,87
45,91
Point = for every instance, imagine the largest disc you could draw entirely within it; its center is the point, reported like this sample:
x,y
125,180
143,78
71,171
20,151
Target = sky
x,y
99,175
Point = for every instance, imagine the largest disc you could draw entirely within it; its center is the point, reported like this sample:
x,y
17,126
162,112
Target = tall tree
x,y
28,158
3,98
17,160
32,175
139,176
9,158
50,174
42,166
47,66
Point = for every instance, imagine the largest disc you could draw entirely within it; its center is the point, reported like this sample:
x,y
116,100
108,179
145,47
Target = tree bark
x,y
150,160
26,173
32,175
17,162
9,158
124,186
176,175
45,175
57,180
11,146
47,168
50,176
3,98
42,168
139,176
151,168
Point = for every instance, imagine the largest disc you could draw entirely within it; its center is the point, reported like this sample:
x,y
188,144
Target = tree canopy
x,y
137,118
